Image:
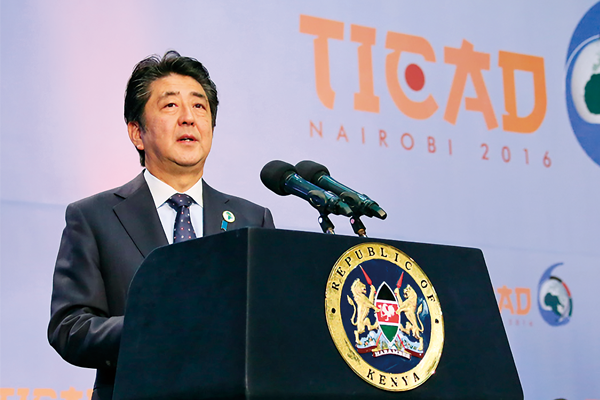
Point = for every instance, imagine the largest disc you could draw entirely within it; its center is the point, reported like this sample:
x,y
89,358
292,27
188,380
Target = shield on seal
x,y
387,317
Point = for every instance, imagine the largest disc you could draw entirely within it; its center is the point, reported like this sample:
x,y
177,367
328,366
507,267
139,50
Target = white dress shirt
x,y
161,192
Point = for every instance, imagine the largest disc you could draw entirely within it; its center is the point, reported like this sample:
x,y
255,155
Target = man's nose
x,y
186,116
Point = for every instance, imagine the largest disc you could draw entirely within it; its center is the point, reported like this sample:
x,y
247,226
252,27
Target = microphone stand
x,y
328,227
354,202
358,227
326,224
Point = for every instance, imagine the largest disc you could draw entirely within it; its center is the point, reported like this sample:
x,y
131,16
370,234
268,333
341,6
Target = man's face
x,y
177,135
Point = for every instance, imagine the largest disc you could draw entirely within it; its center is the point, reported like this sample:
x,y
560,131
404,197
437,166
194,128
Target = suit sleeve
x,y
268,219
81,328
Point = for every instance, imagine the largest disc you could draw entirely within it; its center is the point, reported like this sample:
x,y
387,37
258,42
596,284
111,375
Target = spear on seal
x,y
399,283
397,290
366,276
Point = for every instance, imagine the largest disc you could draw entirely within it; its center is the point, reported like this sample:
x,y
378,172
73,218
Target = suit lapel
x,y
214,204
138,216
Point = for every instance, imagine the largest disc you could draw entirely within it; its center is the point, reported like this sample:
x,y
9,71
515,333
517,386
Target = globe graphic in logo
x,y
583,83
554,299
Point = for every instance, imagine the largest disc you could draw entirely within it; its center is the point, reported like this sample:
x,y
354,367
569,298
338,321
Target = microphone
x,y
359,203
282,178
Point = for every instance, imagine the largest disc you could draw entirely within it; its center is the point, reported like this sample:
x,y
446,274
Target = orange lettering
x,y
402,141
313,127
71,394
510,62
5,392
365,99
39,393
399,42
505,298
324,29
431,144
342,133
468,62
382,137
23,393
523,292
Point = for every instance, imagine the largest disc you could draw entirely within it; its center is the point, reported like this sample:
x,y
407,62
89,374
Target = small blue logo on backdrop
x,y
554,299
583,82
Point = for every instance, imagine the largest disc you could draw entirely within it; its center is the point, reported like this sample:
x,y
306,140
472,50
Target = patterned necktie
x,y
183,229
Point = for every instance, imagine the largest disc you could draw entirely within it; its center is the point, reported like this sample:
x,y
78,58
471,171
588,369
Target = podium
x,y
242,315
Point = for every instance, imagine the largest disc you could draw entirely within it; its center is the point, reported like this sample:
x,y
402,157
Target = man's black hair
x,y
152,68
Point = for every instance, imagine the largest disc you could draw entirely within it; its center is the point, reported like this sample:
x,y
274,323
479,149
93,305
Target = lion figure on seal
x,y
361,308
409,308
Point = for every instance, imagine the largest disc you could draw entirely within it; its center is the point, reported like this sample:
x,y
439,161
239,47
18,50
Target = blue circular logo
x,y
554,298
583,82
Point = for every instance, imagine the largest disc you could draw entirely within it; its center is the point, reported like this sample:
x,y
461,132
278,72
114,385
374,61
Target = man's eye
x,y
171,105
199,105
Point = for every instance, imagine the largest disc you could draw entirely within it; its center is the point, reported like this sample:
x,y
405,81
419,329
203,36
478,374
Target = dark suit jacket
x,y
106,238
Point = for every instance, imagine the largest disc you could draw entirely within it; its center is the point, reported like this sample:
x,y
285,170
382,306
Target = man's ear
x,y
135,135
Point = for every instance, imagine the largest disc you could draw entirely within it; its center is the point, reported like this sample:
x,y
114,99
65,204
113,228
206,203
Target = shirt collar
x,y
161,191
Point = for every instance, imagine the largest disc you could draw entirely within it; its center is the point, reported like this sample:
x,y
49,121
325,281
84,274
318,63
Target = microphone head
x,y
274,174
311,171
377,211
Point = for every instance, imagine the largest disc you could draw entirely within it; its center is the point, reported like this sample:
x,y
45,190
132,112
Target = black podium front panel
x,y
242,315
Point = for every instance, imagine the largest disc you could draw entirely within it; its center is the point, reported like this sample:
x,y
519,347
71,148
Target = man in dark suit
x,y
170,110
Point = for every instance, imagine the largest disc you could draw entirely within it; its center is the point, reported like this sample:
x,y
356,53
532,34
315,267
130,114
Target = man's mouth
x,y
186,139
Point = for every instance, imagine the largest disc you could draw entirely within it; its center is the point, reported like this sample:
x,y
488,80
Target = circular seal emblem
x,y
384,316
582,86
554,298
